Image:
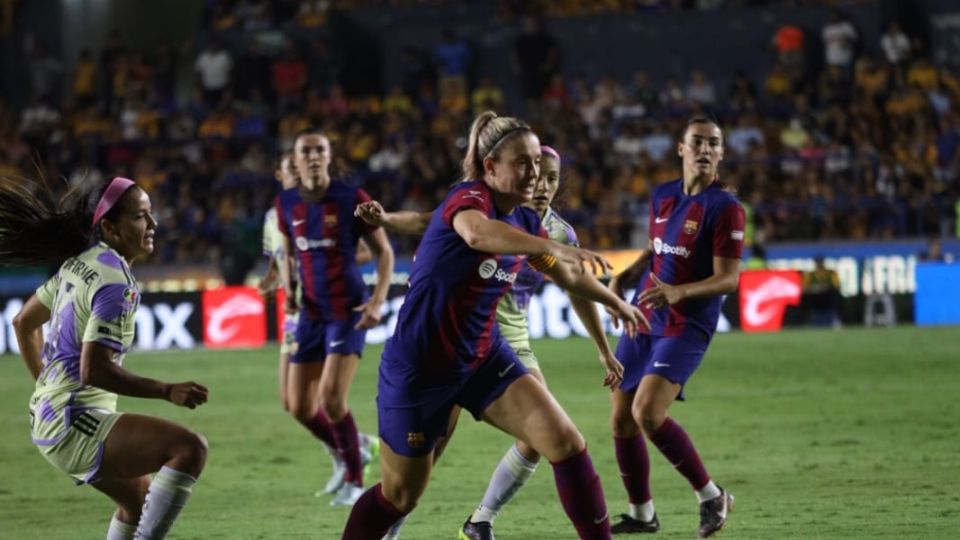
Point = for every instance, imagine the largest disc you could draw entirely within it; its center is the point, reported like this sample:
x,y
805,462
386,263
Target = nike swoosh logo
x,y
661,219
336,343
660,364
298,222
600,520
505,370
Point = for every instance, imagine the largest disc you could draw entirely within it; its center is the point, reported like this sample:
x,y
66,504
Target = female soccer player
x,y
447,351
286,174
520,461
100,229
696,232
321,234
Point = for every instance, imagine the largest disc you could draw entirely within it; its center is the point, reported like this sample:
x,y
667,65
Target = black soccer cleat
x,y
482,530
713,514
629,525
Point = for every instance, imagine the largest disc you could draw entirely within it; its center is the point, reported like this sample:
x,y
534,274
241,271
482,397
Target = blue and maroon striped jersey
x,y
447,322
686,233
324,237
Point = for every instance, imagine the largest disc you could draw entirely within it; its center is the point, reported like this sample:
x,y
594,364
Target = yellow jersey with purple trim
x,y
92,298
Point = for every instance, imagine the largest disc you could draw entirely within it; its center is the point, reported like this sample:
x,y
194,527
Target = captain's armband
x,y
543,262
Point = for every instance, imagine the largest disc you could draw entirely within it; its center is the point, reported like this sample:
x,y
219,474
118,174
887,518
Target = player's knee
x,y
334,404
301,409
565,442
648,417
403,499
192,452
622,424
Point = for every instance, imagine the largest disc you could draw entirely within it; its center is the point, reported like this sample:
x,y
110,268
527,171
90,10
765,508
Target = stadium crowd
x,y
864,147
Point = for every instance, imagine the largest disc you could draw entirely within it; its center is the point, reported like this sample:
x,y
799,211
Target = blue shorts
x,y
317,339
672,358
413,407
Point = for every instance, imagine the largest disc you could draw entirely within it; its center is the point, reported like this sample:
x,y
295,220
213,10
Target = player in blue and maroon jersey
x,y
321,234
693,258
447,349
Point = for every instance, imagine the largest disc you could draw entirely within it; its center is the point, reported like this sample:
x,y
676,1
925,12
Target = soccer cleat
x,y
628,525
482,530
347,495
713,513
337,478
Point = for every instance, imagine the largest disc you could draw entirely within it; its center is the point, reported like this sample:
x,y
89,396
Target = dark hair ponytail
x,y
37,230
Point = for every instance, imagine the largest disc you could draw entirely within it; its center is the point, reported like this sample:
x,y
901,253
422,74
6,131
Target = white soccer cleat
x,y
337,477
347,495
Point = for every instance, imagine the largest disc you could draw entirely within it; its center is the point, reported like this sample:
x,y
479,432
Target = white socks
x,y
167,495
511,474
119,530
642,512
707,492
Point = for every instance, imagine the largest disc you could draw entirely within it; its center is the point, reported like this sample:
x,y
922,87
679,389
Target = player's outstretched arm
x,y
573,278
28,327
630,274
98,369
400,222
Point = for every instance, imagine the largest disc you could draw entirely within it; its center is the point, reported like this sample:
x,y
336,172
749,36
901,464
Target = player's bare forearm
x,y
492,236
725,279
28,327
380,245
583,285
98,369
407,222
631,274
590,317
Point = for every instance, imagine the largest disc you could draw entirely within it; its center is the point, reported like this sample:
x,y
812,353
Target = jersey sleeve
x,y
467,199
113,306
364,227
728,232
281,222
46,292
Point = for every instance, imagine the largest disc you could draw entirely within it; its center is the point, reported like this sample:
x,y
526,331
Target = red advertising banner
x,y
764,297
234,317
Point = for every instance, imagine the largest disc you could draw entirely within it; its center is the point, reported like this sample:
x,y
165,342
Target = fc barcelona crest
x,y
690,226
330,220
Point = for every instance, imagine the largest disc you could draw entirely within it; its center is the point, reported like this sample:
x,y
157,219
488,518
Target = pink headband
x,y
118,186
549,151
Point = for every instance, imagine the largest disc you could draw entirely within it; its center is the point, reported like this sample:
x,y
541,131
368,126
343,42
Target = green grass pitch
x,y
819,434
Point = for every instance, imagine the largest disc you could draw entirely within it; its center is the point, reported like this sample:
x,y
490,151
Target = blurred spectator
x,y
214,66
934,253
487,96
895,44
700,91
84,86
821,294
536,58
289,76
313,13
452,58
46,72
839,39
788,42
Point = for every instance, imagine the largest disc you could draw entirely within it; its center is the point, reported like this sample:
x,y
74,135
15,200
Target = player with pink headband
x,y
100,229
521,460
